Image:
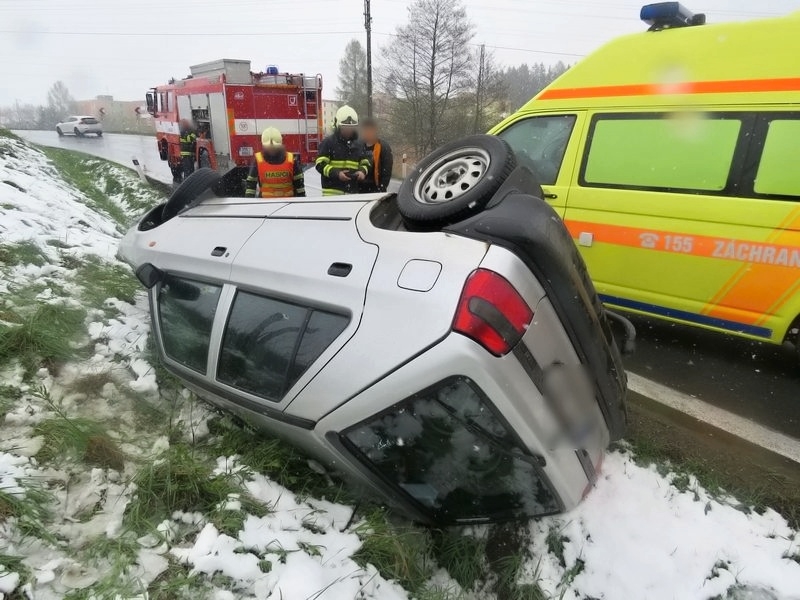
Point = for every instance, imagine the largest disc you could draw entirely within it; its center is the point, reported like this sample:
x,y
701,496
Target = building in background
x,y
123,116
329,108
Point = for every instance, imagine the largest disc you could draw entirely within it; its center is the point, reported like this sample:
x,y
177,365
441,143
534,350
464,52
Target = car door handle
x,y
551,196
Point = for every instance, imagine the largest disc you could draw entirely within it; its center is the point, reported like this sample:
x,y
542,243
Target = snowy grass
x,y
116,483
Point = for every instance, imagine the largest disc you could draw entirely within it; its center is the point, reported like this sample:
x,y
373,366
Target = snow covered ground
x,y
640,534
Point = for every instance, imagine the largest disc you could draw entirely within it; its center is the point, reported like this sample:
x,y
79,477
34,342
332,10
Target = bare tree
x,y
426,67
352,87
489,91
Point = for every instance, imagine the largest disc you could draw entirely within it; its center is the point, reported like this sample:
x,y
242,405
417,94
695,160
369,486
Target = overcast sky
x,y
124,47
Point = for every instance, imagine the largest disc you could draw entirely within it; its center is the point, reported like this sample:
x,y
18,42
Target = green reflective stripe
x,y
322,159
346,164
332,192
300,191
326,170
300,176
250,194
252,179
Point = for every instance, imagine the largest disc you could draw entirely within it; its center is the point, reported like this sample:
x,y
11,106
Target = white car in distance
x,y
80,125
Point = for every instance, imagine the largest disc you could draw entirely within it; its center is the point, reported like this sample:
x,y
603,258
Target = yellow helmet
x,y
271,137
346,116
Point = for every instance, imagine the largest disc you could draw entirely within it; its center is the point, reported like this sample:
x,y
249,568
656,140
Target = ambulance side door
x,y
656,198
548,145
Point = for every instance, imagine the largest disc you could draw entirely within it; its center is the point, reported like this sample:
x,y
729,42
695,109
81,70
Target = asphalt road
x,y
754,380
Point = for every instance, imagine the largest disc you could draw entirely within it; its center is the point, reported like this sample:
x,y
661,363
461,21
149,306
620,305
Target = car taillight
x,y
492,312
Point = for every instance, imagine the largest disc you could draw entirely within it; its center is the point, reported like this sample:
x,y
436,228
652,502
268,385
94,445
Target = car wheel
x,y
59,132
190,193
455,181
99,134
77,132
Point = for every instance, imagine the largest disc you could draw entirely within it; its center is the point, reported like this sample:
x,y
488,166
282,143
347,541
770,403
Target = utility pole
x,y
368,27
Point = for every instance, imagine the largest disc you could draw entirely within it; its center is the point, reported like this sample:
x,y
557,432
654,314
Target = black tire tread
x,y
188,193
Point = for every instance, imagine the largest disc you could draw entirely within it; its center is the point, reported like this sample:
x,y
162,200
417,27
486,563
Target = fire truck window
x,y
170,102
163,103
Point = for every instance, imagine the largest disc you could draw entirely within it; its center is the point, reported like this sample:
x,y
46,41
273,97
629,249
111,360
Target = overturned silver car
x,y
443,348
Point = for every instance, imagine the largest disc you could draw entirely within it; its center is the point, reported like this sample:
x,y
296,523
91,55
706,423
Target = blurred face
x,y
272,150
369,134
348,132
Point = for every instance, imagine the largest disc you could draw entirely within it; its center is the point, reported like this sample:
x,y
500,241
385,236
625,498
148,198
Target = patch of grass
x,y
182,479
43,337
14,564
102,280
21,253
92,384
74,167
463,556
99,179
78,437
555,544
399,552
274,458
177,583
9,396
7,133
30,509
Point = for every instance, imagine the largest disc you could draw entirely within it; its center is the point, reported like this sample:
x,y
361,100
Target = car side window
x,y
269,344
779,170
449,451
186,312
540,143
671,151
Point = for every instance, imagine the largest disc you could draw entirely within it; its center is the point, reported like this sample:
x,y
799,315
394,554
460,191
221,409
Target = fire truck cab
x,y
230,106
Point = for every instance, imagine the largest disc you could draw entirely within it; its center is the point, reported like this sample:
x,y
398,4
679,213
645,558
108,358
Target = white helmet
x,y
346,116
271,137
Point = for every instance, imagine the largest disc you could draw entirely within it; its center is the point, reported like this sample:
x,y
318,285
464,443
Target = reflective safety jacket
x,y
278,177
188,140
337,154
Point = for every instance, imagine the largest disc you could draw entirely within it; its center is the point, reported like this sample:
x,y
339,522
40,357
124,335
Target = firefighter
x,y
276,172
380,171
188,141
343,160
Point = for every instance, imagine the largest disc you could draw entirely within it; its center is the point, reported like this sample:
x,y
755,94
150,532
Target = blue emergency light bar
x,y
666,15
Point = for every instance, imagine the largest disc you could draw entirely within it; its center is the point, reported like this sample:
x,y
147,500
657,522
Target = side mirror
x,y
149,275
151,103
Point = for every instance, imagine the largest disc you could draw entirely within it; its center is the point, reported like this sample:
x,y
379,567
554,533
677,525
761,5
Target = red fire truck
x,y
230,106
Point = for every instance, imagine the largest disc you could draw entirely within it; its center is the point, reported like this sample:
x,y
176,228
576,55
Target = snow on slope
x,y
37,206
637,536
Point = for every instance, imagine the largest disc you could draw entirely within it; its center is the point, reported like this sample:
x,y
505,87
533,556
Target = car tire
x,y
99,134
189,193
455,181
77,132
59,132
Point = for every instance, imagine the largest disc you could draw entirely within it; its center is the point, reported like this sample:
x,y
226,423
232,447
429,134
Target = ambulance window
x,y
186,313
663,152
779,171
540,144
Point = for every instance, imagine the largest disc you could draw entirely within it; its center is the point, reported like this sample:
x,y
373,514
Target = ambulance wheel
x,y
455,181
190,193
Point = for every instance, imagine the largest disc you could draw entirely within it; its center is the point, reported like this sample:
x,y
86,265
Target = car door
x,y
548,145
656,203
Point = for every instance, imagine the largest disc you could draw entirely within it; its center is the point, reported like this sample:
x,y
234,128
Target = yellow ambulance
x,y
673,156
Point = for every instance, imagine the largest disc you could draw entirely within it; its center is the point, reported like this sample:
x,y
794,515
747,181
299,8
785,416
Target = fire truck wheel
x,y
455,181
194,189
